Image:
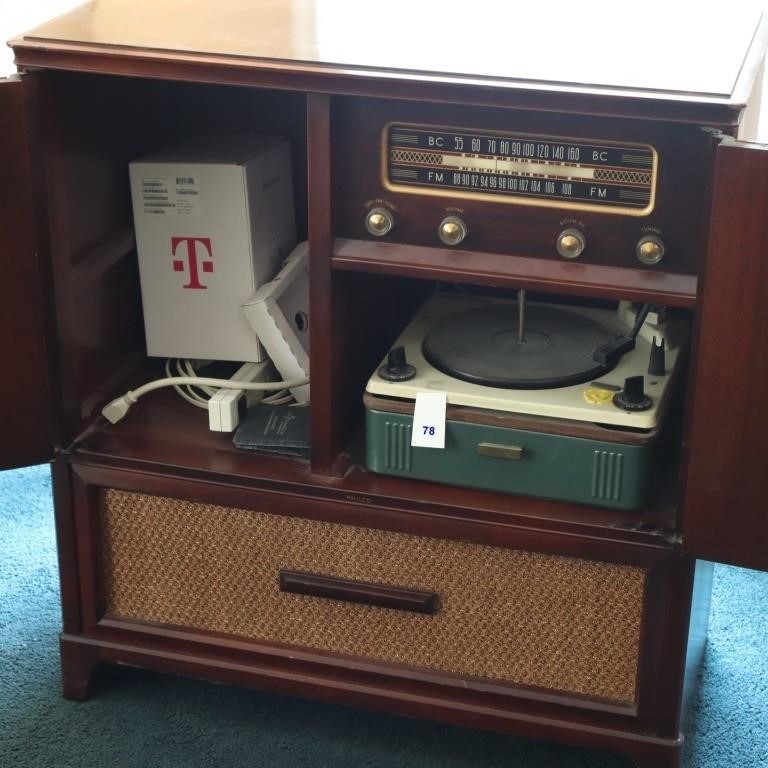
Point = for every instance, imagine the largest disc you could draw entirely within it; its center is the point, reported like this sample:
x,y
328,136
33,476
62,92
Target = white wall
x,y
17,16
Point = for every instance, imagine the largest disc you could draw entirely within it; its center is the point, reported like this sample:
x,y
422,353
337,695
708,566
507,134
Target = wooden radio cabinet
x,y
180,553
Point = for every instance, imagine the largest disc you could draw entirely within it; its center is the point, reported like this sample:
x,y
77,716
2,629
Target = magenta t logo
x,y
192,264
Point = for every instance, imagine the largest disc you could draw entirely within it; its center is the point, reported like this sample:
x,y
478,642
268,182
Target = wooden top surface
x,y
675,53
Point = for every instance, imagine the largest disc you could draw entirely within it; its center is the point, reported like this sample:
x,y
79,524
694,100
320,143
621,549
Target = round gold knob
x,y
379,221
650,249
452,230
571,243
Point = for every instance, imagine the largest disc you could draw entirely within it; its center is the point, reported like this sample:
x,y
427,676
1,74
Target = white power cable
x,y
187,368
280,395
188,393
115,410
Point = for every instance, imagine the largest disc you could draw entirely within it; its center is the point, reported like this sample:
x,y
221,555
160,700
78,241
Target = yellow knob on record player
x,y
596,396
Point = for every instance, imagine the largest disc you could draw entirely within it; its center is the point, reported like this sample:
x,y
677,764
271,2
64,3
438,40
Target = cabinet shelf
x,y
164,435
505,271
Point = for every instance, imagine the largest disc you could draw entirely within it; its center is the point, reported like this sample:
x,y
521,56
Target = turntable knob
x,y
571,243
397,368
452,230
633,397
379,221
657,362
650,249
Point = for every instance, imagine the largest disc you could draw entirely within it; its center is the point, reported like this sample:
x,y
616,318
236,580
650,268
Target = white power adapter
x,y
227,405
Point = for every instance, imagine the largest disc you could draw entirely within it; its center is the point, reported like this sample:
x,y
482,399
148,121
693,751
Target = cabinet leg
x,y
660,756
77,665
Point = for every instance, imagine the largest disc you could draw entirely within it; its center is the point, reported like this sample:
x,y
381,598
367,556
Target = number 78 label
x,y
429,420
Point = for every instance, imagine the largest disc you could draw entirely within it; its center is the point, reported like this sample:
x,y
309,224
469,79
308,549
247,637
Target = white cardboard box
x,y
279,315
214,220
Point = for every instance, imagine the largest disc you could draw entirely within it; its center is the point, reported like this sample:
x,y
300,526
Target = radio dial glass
x,y
544,171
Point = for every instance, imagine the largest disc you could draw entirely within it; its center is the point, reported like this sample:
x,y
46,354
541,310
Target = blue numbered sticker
x,y
429,420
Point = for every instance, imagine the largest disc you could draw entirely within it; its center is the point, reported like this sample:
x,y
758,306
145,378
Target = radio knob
x,y
379,221
452,230
571,243
650,249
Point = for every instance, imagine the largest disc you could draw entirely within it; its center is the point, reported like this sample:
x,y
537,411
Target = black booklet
x,y
280,429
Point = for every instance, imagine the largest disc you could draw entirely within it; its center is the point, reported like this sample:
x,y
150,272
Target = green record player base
x,y
529,463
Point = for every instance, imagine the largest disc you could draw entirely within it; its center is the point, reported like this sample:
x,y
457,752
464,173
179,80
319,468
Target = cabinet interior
x,y
91,127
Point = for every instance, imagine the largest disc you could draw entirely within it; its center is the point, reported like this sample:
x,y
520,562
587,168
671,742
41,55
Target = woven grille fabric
x,y
526,618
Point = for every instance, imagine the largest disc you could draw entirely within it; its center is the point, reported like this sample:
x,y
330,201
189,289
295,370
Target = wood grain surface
x,y
26,397
581,46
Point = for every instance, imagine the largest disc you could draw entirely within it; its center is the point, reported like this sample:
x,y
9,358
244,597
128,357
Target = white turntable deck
x,y
583,402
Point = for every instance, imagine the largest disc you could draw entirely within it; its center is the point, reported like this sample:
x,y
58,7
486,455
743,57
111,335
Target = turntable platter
x,y
482,346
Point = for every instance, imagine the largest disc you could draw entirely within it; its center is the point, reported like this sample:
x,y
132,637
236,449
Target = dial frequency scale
x,y
521,169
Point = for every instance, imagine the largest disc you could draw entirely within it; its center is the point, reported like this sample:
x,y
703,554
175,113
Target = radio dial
x,y
452,230
571,243
379,221
650,249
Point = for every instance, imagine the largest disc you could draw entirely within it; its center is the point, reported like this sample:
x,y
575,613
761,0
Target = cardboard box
x,y
214,220
279,315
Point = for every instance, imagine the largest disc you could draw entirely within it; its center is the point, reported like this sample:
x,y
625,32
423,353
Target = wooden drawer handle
x,y
358,592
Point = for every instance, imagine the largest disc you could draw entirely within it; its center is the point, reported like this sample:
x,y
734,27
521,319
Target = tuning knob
x,y
633,397
452,230
379,221
571,243
650,249
397,368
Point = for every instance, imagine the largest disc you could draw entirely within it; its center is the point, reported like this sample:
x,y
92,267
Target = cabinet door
x,y
726,501
26,406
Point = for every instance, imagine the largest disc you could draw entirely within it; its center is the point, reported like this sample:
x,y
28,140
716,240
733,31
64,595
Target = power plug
x,y
227,406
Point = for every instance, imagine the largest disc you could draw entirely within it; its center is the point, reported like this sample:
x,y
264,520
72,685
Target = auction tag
x,y
429,420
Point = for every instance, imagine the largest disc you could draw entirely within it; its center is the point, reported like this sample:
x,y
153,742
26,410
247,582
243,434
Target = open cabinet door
x,y
26,405
726,500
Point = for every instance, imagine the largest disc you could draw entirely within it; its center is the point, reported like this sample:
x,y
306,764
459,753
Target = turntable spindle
x,y
521,316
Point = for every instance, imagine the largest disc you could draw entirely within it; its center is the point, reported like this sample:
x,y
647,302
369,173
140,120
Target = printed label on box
x,y
171,195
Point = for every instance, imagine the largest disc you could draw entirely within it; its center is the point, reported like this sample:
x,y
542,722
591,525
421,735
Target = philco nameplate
x,y
521,169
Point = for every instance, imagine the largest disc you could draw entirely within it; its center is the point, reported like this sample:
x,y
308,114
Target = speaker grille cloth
x,y
531,619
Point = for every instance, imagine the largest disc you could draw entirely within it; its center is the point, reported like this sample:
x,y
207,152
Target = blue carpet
x,y
137,718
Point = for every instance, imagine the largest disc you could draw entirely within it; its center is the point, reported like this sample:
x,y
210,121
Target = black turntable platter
x,y
482,346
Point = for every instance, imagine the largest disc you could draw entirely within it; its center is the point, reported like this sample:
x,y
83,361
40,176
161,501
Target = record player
x,y
549,400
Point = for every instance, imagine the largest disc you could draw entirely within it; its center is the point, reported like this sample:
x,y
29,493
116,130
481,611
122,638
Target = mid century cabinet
x,y
559,621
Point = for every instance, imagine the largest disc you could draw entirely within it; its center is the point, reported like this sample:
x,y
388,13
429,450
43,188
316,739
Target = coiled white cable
x,y
117,409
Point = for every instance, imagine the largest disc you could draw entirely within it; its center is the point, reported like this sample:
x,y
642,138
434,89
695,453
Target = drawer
x,y
511,616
